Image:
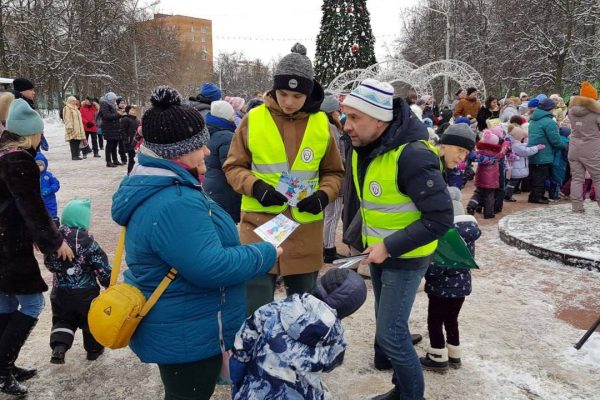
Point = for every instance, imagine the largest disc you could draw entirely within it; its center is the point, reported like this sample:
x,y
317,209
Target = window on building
x,y
203,29
203,56
203,39
204,49
192,28
192,37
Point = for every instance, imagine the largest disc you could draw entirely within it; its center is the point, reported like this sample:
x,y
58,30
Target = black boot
x,y
391,395
416,338
93,355
96,155
330,255
382,363
20,374
58,354
13,338
435,360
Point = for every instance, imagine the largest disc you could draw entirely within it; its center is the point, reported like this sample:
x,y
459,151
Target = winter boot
x,y
435,360
330,255
13,338
391,395
93,355
58,354
381,362
96,154
454,356
416,338
20,374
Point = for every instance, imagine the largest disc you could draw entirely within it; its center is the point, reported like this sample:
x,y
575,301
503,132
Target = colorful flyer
x,y
294,189
277,230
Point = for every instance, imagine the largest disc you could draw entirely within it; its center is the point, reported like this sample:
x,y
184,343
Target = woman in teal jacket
x,y
542,130
172,223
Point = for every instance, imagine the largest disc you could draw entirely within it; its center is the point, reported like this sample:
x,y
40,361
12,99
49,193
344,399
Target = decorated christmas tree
x,y
346,41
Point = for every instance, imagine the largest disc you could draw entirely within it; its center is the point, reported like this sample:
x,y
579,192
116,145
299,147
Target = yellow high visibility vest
x,y
269,158
384,209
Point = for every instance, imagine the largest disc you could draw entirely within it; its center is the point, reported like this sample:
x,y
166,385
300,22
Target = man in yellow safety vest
x,y
289,134
405,207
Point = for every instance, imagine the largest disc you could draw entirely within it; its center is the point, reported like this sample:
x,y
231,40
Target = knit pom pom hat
x,y
295,72
587,90
170,128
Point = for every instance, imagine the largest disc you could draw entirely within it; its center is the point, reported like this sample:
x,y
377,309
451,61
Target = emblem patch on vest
x,y
108,311
375,189
293,84
307,155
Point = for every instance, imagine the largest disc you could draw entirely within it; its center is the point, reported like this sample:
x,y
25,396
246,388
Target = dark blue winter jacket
x,y
450,282
419,177
171,223
215,183
49,185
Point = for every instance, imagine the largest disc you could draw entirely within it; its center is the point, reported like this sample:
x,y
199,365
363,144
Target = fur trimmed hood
x,y
578,102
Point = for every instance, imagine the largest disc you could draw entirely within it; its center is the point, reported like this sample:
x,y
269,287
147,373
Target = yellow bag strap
x,y
162,286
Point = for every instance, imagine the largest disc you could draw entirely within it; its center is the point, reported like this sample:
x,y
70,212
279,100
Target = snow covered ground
x,y
515,346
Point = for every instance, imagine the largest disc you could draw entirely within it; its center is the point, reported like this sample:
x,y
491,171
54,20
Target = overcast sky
x,y
236,21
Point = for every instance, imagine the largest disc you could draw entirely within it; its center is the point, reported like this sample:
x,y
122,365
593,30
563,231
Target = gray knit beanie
x,y
295,72
330,104
459,135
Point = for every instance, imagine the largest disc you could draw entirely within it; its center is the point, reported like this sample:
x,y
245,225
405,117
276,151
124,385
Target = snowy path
x,y
514,346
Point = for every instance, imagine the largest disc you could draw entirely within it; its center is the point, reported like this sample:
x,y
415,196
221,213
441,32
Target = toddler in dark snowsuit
x,y
75,283
447,289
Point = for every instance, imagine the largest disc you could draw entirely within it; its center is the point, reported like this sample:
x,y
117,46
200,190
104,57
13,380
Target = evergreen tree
x,y
346,41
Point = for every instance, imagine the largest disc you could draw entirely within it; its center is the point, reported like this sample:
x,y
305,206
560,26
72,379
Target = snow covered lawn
x,y
514,346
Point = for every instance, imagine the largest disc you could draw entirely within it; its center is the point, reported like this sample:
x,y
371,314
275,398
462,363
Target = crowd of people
x,y
203,175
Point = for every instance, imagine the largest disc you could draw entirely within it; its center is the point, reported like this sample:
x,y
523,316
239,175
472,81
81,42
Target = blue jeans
x,y
28,304
395,290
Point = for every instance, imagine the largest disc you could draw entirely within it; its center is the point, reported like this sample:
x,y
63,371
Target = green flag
x,y
452,252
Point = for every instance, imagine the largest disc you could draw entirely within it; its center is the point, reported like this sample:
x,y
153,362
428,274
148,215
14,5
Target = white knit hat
x,y
374,98
221,109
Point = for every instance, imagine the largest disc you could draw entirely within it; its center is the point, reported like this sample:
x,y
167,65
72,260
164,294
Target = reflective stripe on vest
x,y
269,158
385,210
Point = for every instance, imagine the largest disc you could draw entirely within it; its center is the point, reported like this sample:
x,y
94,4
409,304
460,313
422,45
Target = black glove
x,y
267,195
89,124
315,203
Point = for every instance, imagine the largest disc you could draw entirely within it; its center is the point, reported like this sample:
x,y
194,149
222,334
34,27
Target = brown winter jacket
x,y
303,250
584,144
73,123
467,108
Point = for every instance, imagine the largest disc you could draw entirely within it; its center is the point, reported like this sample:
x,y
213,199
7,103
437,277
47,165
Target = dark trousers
x,y
122,151
261,290
539,173
110,152
94,136
512,185
74,146
131,160
70,309
485,198
100,141
443,313
190,381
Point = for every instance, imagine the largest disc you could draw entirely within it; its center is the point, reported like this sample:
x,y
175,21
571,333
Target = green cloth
x,y
452,252
190,381
22,120
544,130
77,214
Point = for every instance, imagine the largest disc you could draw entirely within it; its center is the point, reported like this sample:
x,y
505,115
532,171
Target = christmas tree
x,y
346,41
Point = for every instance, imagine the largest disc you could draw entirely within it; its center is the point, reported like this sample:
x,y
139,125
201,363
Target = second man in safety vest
x,y
405,208
287,133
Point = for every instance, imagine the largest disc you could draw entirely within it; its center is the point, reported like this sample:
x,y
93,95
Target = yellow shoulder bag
x,y
115,314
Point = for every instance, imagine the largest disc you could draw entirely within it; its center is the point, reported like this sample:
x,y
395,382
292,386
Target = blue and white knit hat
x,y
374,98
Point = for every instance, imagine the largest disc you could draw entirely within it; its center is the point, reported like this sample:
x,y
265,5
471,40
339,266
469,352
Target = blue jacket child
x,y
49,185
281,350
559,164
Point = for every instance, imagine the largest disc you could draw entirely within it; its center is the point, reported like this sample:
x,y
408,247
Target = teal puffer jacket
x,y
172,223
544,130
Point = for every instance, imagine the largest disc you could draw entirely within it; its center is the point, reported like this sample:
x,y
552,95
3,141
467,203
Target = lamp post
x,y
216,61
447,15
